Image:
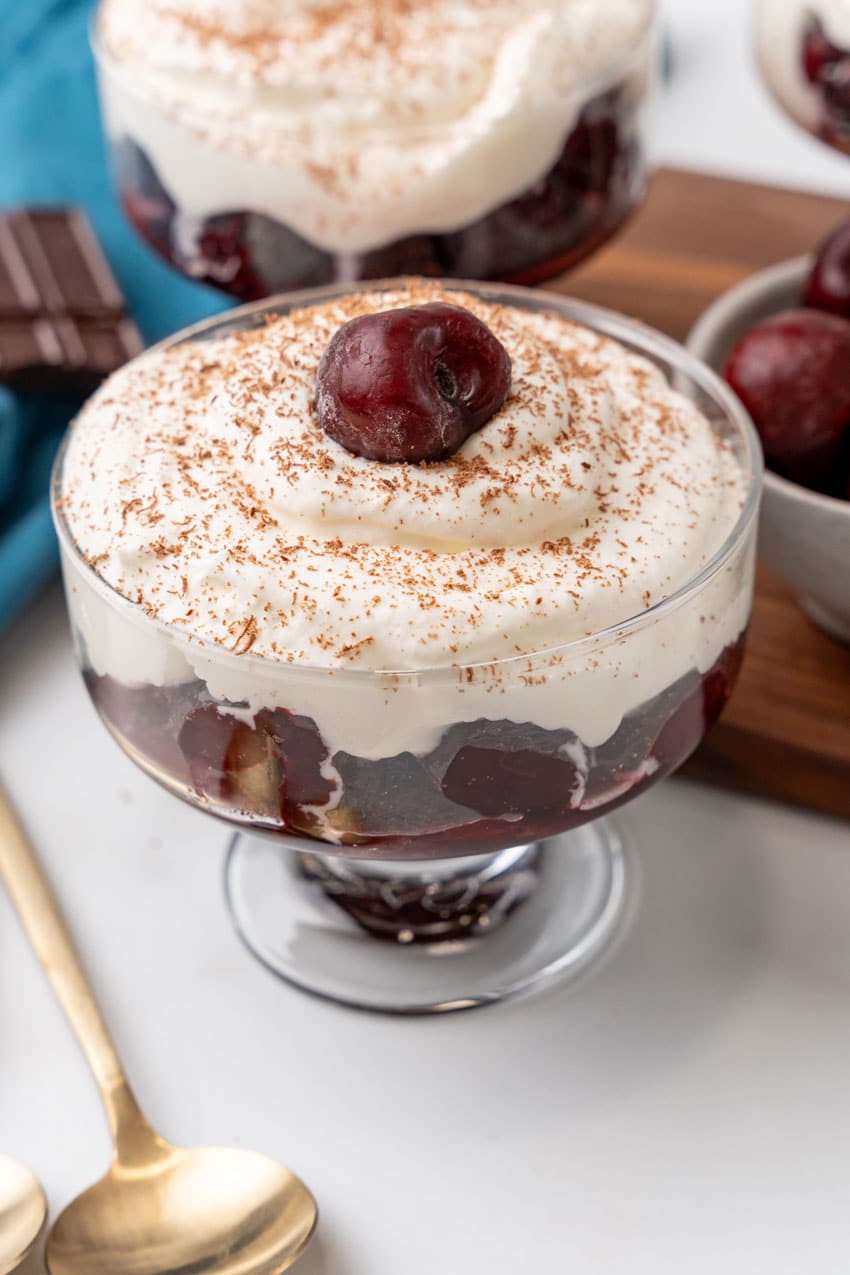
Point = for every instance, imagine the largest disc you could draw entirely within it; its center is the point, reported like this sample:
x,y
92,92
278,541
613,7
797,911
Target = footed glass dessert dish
x,y
260,150
413,838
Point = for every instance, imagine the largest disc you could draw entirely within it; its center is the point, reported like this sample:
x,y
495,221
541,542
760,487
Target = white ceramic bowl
x,y
804,536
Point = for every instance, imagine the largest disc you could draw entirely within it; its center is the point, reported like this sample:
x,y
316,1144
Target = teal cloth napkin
x,y
52,151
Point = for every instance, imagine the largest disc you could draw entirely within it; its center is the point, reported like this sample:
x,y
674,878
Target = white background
x,y
683,1109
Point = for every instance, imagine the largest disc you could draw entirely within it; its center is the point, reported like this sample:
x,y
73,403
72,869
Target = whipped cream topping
x,y
198,484
835,16
357,125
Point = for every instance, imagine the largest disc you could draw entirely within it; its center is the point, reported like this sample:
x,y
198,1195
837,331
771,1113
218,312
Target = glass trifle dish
x,y
804,51
412,585
264,145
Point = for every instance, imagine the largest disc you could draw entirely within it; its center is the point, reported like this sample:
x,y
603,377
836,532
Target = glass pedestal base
x,y
428,937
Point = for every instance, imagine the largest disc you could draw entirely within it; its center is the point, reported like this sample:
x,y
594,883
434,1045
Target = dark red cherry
x,y
221,751
818,52
792,373
496,782
828,285
275,767
505,768
411,384
304,755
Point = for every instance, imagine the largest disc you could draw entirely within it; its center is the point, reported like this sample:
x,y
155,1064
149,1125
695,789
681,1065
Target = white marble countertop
x,y
682,1108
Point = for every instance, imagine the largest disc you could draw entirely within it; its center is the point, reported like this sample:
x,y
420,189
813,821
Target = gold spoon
x,y
23,1210
159,1208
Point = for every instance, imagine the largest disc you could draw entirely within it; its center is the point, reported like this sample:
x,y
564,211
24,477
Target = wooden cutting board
x,y
786,732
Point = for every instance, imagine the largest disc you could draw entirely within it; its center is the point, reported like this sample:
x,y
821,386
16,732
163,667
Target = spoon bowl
x,y
23,1210
160,1210
213,1210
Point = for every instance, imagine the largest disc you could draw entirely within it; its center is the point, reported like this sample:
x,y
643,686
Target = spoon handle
x,y
47,932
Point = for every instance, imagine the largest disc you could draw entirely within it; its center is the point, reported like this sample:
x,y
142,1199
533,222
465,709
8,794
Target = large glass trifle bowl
x,y
267,147
425,838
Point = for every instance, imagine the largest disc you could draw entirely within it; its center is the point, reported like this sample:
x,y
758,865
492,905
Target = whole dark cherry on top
x,y
411,384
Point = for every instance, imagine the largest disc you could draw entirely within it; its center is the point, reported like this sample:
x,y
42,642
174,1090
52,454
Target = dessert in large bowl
x,y
264,145
804,50
416,582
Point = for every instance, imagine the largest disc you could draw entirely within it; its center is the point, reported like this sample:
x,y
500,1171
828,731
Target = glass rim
x,y
585,88
633,333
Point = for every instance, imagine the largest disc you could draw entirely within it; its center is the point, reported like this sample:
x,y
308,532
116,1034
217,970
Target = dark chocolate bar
x,y
63,322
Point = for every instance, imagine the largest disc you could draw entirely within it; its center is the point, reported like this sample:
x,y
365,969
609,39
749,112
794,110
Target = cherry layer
x,y
595,183
486,786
